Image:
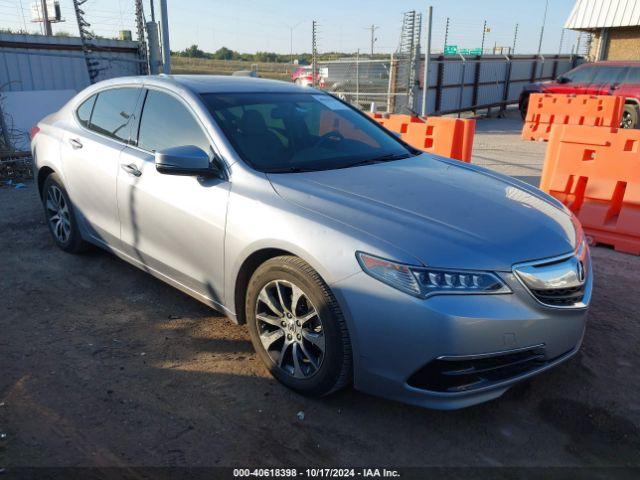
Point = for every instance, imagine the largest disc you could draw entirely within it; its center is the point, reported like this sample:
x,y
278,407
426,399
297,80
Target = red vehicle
x,y
601,78
304,76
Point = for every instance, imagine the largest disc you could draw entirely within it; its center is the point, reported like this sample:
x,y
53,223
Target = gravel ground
x,y
102,365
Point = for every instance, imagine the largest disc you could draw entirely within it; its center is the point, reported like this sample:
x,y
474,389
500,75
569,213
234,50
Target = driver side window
x,y
167,123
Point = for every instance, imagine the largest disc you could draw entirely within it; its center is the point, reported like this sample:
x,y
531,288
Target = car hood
x,y
443,213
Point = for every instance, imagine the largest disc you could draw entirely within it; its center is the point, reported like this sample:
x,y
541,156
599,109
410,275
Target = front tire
x,y
297,327
524,105
629,117
60,216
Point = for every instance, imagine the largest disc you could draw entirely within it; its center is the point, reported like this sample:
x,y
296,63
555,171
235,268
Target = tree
x,y
193,51
224,53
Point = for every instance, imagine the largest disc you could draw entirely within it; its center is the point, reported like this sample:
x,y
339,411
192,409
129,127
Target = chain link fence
x,y
456,84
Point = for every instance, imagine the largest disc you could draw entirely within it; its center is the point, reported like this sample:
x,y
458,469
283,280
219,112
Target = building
x,y
613,26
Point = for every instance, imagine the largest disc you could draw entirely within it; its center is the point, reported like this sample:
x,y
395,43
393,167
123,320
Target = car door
x,y
90,150
172,225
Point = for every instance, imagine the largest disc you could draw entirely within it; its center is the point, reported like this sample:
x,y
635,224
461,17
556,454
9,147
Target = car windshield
x,y
293,132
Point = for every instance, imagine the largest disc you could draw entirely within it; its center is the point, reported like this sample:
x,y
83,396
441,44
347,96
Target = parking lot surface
x,y
103,365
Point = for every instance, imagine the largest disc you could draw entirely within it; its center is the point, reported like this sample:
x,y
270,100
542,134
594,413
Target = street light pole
x,y
291,29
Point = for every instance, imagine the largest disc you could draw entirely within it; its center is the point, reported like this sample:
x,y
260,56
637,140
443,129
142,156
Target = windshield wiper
x,y
389,157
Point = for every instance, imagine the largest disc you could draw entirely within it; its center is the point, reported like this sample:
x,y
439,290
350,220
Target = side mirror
x,y
186,160
562,79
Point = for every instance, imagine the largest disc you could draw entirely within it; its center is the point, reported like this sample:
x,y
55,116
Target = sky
x,y
270,25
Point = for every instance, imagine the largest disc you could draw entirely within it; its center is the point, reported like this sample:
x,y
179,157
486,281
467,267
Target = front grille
x,y
560,282
458,375
560,297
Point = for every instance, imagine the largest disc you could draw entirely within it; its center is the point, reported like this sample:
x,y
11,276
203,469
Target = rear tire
x,y
60,216
629,116
306,351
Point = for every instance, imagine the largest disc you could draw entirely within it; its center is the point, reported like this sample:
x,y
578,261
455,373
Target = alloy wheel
x,y
290,328
627,120
58,214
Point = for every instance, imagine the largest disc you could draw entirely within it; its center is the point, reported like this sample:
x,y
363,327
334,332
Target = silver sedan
x,y
352,257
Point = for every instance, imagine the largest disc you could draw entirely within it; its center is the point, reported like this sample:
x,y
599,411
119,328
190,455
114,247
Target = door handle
x,y
131,169
75,143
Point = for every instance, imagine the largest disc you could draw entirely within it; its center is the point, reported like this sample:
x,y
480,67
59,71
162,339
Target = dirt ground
x,y
103,365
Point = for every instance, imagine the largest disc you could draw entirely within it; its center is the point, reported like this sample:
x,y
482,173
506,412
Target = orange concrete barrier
x,y
595,172
546,110
444,136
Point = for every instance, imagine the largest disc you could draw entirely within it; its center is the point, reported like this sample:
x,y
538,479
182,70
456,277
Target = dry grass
x,y
277,71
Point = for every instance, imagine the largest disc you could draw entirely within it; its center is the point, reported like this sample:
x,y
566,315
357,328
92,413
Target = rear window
x,y
113,112
84,111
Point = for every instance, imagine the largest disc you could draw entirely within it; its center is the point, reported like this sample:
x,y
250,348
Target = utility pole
x,y
314,53
484,32
446,34
561,40
153,11
515,38
544,20
427,60
373,29
166,51
45,18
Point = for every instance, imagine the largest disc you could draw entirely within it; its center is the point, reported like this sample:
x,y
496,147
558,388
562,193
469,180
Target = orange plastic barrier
x,y
444,136
546,110
595,172
448,137
398,123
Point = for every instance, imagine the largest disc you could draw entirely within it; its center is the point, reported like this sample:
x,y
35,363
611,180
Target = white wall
x,y
22,110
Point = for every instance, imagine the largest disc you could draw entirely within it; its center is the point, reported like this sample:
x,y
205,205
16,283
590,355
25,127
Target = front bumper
x,y
395,335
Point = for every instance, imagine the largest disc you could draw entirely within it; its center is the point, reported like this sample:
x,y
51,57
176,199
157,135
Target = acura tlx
x,y
353,258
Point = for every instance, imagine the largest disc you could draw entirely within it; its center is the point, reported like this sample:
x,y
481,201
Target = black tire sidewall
x,y
324,380
75,243
523,107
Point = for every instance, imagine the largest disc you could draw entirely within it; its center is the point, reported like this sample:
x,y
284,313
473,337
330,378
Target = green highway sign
x,y
450,49
475,51
464,51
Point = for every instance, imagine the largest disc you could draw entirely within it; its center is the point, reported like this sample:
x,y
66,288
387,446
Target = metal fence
x,y
362,81
456,83
37,62
39,73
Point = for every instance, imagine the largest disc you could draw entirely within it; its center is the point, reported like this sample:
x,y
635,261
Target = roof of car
x,y
227,84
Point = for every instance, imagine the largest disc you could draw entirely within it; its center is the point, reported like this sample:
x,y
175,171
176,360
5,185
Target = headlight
x,y
424,282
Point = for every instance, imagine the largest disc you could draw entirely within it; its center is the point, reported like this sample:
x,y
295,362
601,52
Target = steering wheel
x,y
333,135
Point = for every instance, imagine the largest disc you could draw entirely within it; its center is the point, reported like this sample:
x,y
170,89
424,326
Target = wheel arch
x,y
247,268
43,173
